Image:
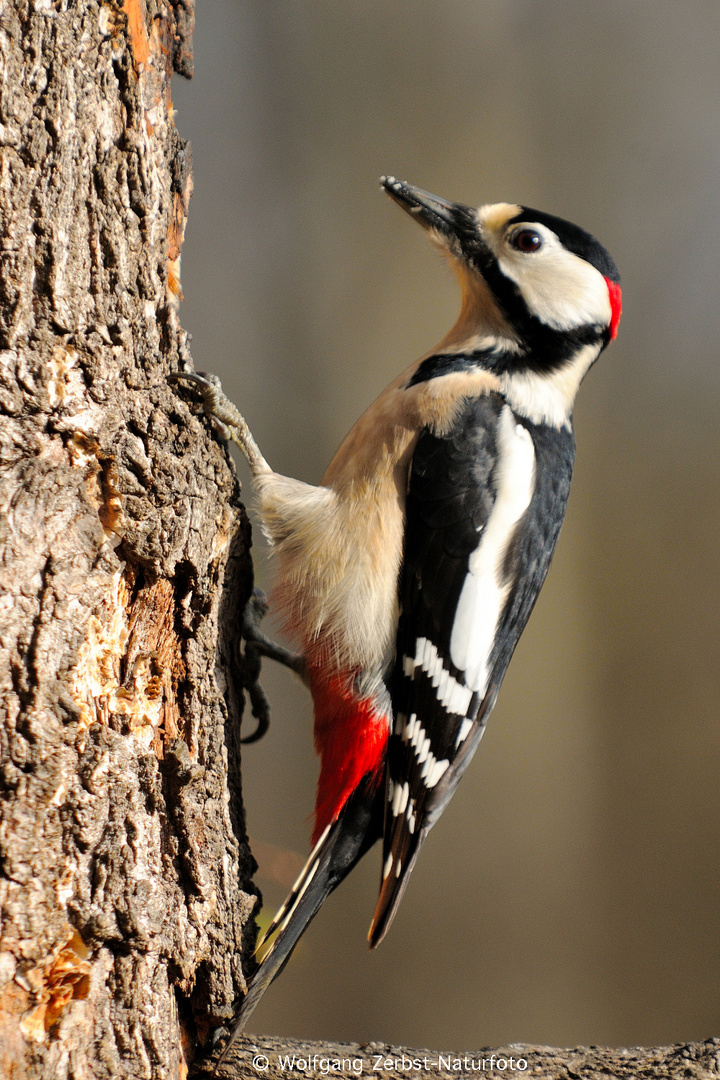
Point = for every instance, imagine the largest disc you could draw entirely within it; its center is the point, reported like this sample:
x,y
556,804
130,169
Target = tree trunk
x,y
123,852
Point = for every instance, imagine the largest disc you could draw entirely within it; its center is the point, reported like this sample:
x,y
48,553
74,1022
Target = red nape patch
x,y
615,306
350,737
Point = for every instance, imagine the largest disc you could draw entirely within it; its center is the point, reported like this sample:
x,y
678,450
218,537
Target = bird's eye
x,y
526,240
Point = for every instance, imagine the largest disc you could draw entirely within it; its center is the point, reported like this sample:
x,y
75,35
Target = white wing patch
x,y
484,593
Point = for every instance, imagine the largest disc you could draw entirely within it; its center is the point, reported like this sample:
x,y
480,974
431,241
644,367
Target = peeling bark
x,y
122,850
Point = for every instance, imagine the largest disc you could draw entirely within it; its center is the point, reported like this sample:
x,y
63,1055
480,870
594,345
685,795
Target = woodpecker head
x,y
544,288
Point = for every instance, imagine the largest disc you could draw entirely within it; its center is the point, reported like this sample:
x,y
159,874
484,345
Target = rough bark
x,y
121,847
276,1059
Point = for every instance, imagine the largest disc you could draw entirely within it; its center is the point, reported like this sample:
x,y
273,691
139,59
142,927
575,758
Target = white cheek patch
x,y
484,593
562,290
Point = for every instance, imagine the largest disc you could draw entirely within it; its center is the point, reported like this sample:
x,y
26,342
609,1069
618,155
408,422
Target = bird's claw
x,y
215,403
229,424
257,646
226,420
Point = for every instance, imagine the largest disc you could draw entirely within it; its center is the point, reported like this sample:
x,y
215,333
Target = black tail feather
x,y
341,846
396,874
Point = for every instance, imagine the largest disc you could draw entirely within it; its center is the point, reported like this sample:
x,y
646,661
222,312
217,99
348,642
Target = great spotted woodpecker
x,y
409,574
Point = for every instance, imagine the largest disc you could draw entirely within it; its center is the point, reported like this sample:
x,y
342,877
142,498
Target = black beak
x,y
456,223
431,211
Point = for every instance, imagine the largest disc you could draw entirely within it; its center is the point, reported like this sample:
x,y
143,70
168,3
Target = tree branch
x,y
277,1059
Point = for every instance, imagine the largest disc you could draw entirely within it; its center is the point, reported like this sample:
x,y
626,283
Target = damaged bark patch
x,y
137,20
64,979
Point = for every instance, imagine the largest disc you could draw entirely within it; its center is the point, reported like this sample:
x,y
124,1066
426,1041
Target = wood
x,y
277,1059
124,868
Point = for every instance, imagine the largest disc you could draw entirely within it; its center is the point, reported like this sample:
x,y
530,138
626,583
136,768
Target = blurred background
x,y
571,891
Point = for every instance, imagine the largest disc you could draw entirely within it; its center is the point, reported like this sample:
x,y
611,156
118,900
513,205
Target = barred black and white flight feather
x,y
483,511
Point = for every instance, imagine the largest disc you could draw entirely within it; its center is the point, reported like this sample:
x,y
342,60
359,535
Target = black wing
x,y
439,718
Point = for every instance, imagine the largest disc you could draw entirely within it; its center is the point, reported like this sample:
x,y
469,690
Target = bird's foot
x,y
226,420
257,646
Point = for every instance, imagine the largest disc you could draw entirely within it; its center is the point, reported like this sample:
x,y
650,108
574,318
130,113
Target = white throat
x,y
549,398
